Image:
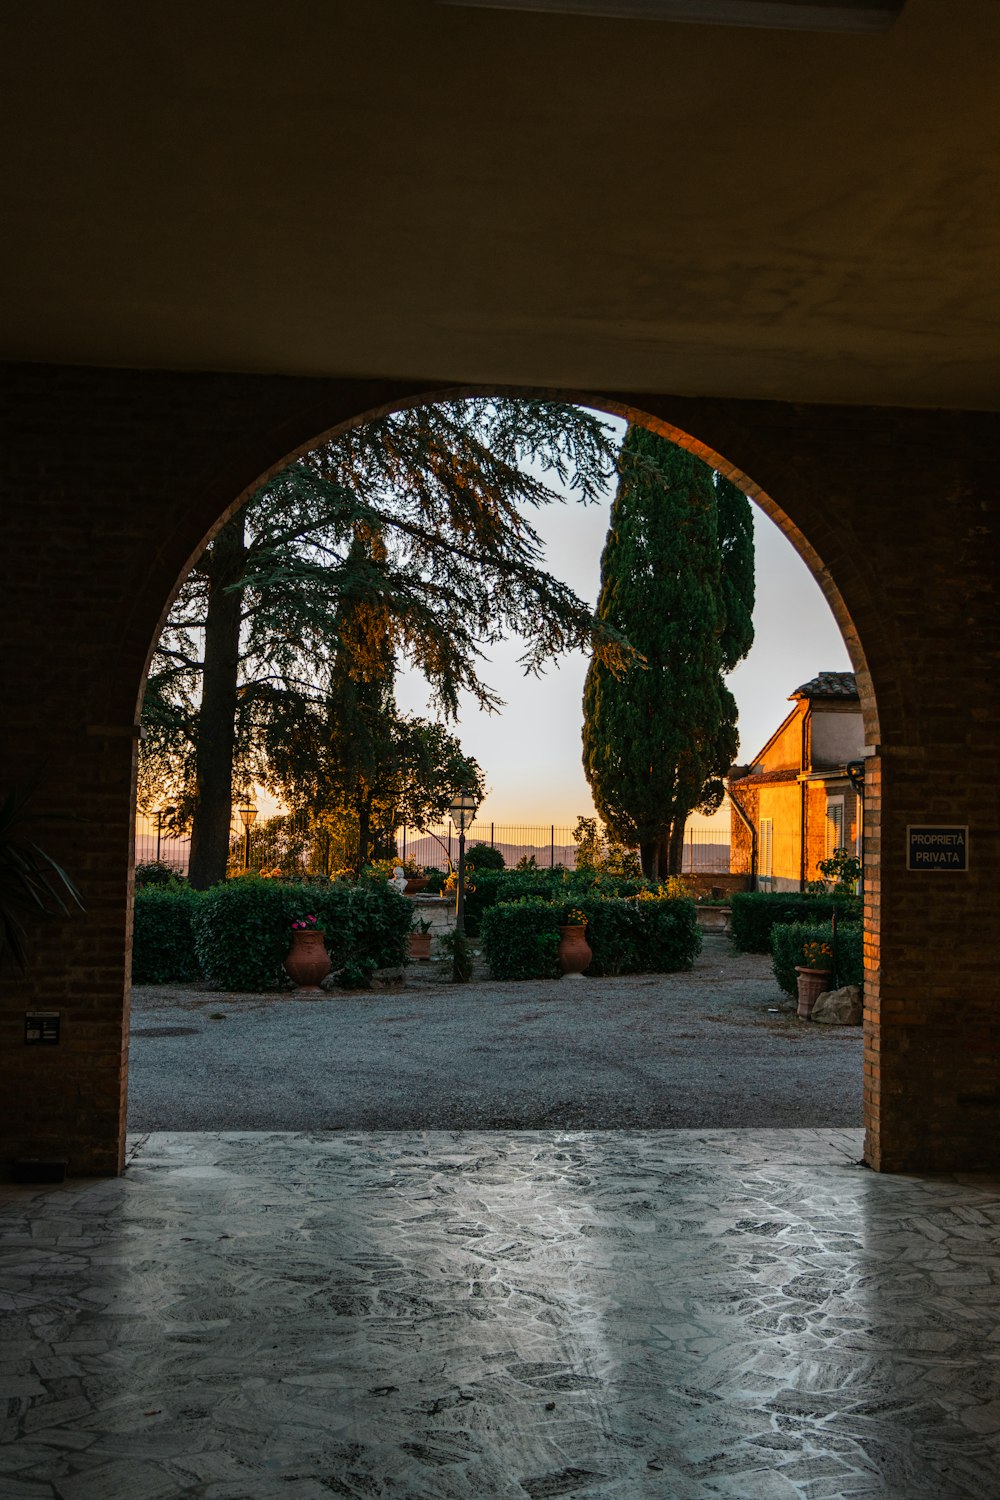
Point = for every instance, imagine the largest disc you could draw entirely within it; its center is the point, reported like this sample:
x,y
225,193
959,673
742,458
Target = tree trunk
x,y
364,812
214,752
648,857
676,852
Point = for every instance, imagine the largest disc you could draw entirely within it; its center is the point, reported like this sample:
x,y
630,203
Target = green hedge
x,y
236,935
243,929
520,939
754,913
163,942
483,857
789,939
496,887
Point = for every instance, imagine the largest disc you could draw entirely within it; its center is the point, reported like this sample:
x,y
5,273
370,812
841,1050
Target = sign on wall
x,y
41,1028
931,847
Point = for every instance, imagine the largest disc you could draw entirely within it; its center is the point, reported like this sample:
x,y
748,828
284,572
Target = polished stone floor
x,y
435,1316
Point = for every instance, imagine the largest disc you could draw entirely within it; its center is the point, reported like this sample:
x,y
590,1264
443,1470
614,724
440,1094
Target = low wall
x,y
716,885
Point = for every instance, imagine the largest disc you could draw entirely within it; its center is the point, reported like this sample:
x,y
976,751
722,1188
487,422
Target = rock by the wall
x,y
839,1007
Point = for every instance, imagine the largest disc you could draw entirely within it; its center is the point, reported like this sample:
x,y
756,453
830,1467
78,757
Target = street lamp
x,y
463,811
248,813
160,814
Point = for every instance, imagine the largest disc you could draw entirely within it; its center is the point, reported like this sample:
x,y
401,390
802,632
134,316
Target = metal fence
x,y
706,849
156,843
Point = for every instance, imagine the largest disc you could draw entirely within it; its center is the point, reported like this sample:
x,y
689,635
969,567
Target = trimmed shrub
x,y
243,929
613,932
157,872
520,940
669,936
483,857
373,924
652,936
789,939
163,941
242,932
754,913
506,886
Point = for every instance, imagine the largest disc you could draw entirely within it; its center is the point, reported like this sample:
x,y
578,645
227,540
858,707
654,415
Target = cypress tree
x,y
677,581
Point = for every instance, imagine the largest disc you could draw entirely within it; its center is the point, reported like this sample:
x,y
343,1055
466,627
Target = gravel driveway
x,y
717,1046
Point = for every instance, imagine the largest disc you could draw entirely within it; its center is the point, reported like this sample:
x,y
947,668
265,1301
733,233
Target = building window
x,y
765,855
834,825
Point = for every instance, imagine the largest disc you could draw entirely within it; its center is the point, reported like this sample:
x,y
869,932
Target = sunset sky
x,y
531,750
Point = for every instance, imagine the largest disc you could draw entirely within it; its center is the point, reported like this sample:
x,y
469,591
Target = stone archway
x,y
117,478
633,411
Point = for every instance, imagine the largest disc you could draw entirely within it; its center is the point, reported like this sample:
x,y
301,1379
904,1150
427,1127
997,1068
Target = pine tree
x,y
442,497
677,581
353,752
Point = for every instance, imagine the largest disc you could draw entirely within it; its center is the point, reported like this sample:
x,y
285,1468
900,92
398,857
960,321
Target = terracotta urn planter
x,y
575,953
415,883
811,983
307,961
420,947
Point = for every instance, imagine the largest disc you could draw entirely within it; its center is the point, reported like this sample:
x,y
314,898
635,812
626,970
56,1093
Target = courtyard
x,y
719,1046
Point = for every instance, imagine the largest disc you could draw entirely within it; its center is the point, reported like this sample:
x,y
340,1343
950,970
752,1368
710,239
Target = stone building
x,y
796,793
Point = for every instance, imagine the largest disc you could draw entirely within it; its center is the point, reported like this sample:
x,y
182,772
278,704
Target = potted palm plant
x,y
31,883
420,941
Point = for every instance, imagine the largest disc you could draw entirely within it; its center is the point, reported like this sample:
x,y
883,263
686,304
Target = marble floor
x,y
435,1316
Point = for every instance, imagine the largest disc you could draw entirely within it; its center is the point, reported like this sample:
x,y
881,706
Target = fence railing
x,y
706,850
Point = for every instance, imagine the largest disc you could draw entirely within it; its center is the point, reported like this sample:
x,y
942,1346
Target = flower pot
x,y
575,953
812,983
415,883
420,946
307,961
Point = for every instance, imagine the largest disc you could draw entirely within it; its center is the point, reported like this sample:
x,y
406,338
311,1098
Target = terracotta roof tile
x,y
828,685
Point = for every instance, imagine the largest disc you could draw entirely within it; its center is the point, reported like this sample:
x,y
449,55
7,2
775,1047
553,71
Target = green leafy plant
x,y
817,955
157,872
163,941
242,928
456,944
520,940
844,869
31,883
599,852
754,913
484,857
356,974
493,886
788,945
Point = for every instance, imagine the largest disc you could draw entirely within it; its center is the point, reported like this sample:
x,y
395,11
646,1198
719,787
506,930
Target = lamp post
x,y
161,813
248,813
463,811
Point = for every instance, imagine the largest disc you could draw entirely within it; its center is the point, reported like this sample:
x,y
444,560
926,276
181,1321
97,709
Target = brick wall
x,y
111,480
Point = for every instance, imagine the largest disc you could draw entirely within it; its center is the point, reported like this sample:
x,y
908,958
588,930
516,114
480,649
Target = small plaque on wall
x,y
933,847
41,1028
